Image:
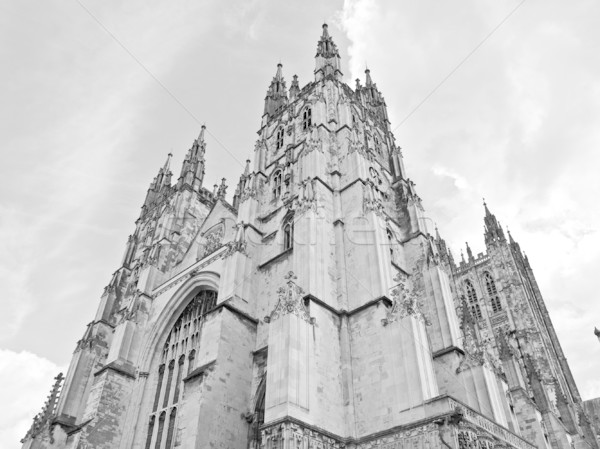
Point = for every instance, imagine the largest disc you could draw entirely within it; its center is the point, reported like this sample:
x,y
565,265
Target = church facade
x,y
315,310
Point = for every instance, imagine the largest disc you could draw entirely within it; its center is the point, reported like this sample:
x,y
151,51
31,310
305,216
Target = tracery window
x,y
473,302
279,141
490,286
288,234
277,178
178,351
307,119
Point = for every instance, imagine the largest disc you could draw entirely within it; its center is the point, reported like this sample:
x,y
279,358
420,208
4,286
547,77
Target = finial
x,y
279,74
247,168
597,333
325,30
167,163
368,81
201,136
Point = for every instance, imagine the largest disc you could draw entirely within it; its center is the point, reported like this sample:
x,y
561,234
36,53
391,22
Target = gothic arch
x,y
170,313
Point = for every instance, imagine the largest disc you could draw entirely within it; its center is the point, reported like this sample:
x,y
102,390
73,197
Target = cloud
x,y
25,381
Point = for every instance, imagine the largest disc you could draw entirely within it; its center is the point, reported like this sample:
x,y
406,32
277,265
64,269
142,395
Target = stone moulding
x,y
190,272
483,424
291,433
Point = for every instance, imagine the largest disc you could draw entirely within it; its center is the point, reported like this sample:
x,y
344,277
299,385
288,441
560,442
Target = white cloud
x,y
25,381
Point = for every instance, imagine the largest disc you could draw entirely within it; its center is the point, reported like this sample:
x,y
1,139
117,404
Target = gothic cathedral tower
x,y
316,311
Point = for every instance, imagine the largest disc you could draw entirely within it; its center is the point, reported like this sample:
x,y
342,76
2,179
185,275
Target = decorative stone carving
x,y
314,141
331,104
238,244
306,196
426,436
334,152
290,301
42,422
405,303
213,241
294,436
371,202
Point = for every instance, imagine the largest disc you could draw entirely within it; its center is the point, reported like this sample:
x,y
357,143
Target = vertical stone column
x,y
289,350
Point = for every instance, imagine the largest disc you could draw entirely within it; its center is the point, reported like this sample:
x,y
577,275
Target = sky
x,y
487,98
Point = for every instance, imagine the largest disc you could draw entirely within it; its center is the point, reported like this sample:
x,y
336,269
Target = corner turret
x,y
492,230
277,98
192,170
327,59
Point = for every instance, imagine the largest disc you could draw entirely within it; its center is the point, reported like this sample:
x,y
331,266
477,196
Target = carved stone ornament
x,y
290,301
238,244
404,303
314,141
213,241
371,202
355,144
290,435
306,196
331,104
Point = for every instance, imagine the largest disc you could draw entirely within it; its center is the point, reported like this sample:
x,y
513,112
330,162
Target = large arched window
x,y
490,286
473,302
258,419
178,351
307,118
288,234
277,182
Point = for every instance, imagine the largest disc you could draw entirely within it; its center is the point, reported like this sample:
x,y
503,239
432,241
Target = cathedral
x,y
314,310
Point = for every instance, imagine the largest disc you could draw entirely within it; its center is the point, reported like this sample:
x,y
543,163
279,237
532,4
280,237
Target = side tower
x,y
501,292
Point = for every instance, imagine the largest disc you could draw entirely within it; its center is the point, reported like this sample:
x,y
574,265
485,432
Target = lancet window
x,y
307,119
490,286
473,301
176,361
279,141
277,178
288,234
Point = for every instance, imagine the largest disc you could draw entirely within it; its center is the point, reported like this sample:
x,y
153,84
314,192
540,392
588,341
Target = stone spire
x,y
492,230
277,98
192,170
159,186
370,96
327,59
294,88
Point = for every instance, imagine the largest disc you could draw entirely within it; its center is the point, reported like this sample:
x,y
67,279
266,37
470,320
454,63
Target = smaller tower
x,y
493,231
277,98
192,170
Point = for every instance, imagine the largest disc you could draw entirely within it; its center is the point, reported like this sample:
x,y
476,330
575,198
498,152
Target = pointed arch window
x,y
161,427
279,141
288,234
178,350
473,301
307,119
150,431
171,428
490,286
277,183
258,420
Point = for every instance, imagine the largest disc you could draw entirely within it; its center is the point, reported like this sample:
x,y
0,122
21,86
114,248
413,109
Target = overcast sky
x,y
93,100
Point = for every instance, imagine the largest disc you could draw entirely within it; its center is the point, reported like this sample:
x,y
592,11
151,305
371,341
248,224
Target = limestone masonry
x,y
316,311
